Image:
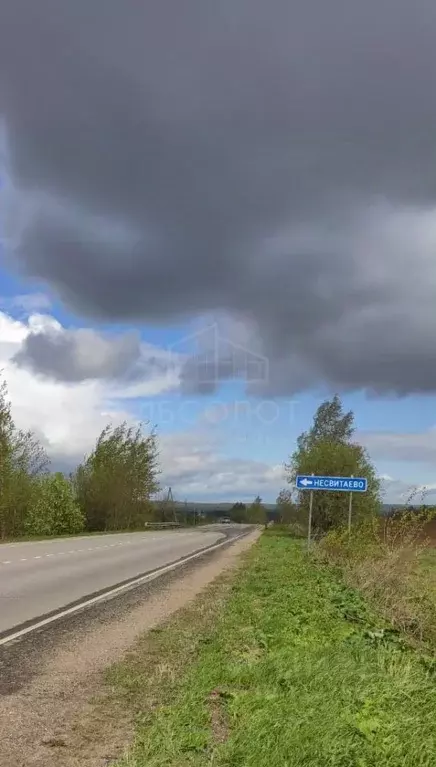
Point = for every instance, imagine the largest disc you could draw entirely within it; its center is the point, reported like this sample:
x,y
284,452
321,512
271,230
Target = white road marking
x,y
114,591
148,537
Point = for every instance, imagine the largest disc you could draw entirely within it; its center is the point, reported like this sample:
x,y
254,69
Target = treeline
x,y
115,486
254,513
111,489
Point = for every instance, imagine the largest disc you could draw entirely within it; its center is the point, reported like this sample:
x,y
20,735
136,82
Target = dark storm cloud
x,y
80,355
272,159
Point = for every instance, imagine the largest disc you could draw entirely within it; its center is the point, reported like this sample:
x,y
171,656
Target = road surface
x,y
37,578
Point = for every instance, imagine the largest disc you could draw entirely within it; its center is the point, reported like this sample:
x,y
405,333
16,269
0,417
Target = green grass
x,y
285,667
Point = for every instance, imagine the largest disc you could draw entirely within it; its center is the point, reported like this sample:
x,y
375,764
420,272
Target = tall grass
x,y
384,560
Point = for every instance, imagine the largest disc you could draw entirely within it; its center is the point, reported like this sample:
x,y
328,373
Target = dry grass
x,y
390,562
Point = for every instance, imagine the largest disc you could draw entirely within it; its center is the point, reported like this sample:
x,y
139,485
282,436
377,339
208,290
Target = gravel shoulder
x,y
56,707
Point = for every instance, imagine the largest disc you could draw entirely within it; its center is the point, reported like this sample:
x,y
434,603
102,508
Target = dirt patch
x,y
430,532
218,718
55,720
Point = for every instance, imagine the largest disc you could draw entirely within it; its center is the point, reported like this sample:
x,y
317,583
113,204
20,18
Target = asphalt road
x,y
39,577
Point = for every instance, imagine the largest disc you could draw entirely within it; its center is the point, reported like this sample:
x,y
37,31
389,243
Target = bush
x,y
292,530
55,511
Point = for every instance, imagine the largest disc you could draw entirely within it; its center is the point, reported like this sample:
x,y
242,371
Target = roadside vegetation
x,y
393,564
387,557
115,487
329,448
320,658
254,513
281,665
112,489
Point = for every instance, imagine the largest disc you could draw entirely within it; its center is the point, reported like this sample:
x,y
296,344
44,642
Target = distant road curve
x,y
39,578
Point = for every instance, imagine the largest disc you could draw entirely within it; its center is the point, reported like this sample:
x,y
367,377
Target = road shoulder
x,y
56,705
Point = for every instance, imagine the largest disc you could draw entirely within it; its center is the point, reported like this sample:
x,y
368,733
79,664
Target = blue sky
x,y
232,426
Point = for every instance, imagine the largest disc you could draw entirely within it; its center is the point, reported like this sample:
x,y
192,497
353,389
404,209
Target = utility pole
x,y
170,505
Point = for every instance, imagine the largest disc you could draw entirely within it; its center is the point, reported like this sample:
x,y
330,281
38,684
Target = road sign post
x,y
314,482
350,506
309,530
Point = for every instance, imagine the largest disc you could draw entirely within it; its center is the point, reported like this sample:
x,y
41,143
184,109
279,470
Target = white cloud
x,y
73,355
68,417
400,446
194,464
401,492
40,323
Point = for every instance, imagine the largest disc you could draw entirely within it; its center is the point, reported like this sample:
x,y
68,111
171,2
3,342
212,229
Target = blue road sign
x,y
334,484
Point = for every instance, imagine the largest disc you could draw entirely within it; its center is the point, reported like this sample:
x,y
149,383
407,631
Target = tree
x,y
286,508
115,483
327,449
22,462
330,424
111,489
291,514
55,511
238,512
256,512
6,460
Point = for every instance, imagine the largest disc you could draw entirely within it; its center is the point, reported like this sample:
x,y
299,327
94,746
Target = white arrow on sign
x,y
305,482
